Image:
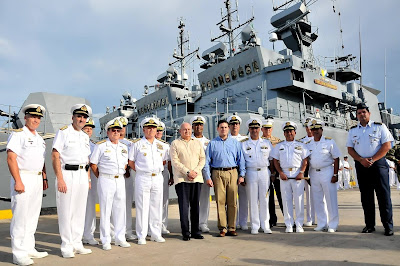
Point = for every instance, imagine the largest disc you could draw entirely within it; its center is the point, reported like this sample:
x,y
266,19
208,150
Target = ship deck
x,y
347,246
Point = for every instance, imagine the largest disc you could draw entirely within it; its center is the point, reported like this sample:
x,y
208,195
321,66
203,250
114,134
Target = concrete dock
x,y
347,246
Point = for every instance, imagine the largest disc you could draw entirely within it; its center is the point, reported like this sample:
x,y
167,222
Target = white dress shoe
x,y
289,230
244,227
204,228
267,231
131,237
92,242
299,229
308,224
23,261
37,255
83,251
320,228
159,239
123,244
142,241
254,231
107,247
331,230
165,231
68,255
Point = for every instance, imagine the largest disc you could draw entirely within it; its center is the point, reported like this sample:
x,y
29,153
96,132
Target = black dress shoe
x,y
388,232
186,238
368,229
198,237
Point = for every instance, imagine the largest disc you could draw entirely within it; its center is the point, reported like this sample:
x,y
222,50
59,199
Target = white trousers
x,y
90,217
242,207
165,200
204,202
339,184
293,190
148,201
129,193
327,210
25,208
71,209
257,185
346,179
112,200
392,177
310,210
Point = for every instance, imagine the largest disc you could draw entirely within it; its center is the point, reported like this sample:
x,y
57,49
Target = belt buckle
x,y
153,174
39,173
80,166
258,169
317,170
290,169
116,176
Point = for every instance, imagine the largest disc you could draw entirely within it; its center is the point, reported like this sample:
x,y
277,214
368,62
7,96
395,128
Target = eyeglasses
x,y
115,130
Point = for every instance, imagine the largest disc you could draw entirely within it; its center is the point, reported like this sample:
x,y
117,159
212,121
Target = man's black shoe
x,y
368,229
198,237
186,238
388,232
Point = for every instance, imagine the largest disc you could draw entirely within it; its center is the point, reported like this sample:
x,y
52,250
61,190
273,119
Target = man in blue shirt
x,y
368,142
224,162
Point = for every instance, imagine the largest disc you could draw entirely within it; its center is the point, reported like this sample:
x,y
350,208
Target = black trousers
x,y
189,195
271,204
375,178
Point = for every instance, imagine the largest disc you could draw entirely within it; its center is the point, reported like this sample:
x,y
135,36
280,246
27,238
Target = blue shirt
x,y
366,141
224,153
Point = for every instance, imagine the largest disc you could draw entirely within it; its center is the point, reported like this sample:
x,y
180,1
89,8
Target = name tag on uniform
x,y
107,151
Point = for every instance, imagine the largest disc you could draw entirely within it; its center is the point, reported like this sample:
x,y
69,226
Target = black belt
x,y
224,168
76,167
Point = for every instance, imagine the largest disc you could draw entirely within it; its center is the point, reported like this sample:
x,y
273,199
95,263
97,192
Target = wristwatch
x,y
335,174
188,172
302,172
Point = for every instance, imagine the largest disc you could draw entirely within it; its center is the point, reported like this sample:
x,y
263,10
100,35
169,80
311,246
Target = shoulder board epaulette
x,y
18,130
377,123
163,141
245,139
135,140
307,142
300,140
328,138
101,141
303,137
64,128
92,141
263,137
353,127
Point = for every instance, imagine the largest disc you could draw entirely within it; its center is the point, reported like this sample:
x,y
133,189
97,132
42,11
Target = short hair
x,y
221,122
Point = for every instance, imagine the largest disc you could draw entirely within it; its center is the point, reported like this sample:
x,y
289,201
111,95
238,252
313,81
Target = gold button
x,y
39,173
153,174
116,176
290,169
81,166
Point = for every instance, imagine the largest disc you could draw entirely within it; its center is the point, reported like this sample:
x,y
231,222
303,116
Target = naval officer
x,y
197,123
324,167
108,162
90,217
290,160
234,122
168,177
146,157
368,142
25,158
256,152
70,156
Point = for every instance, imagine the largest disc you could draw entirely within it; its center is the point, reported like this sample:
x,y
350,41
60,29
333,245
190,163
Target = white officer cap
x,y
123,120
267,123
254,123
289,125
81,108
161,125
149,122
315,124
308,119
34,109
197,119
234,119
114,123
90,123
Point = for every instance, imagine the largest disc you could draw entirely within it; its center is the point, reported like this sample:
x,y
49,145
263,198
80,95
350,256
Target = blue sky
x,y
98,49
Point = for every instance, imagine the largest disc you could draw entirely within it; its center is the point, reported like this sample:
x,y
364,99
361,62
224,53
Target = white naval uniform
x,y
257,155
346,175
290,156
74,149
243,206
30,150
322,155
310,210
111,160
90,217
166,175
149,182
392,173
340,176
204,201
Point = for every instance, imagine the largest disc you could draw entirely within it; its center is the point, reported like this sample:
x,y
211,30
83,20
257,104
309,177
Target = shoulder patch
x,y
101,141
377,123
18,130
64,128
328,138
245,139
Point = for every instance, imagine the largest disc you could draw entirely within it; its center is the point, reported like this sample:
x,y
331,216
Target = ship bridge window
x,y
248,69
297,75
220,79
240,71
256,68
227,78
233,74
215,82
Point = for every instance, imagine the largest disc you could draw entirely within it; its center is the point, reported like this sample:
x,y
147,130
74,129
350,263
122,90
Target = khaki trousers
x,y
226,189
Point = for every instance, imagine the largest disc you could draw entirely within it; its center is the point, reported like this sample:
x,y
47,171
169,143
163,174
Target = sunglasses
x,y
115,130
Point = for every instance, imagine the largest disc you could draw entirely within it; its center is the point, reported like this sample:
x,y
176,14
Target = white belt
x,y
111,176
257,168
321,168
147,173
30,172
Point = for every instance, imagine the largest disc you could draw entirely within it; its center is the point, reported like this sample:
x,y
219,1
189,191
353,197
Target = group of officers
x,y
243,170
